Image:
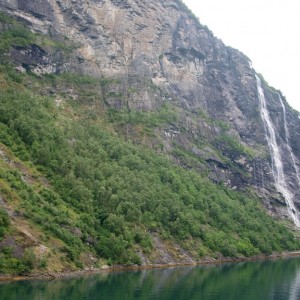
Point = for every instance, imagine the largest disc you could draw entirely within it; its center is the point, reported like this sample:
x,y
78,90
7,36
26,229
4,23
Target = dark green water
x,y
277,279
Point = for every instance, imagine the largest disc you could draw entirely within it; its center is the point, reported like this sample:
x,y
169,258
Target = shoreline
x,y
117,268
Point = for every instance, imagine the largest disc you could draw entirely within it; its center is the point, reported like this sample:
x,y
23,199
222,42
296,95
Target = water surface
x,y
265,280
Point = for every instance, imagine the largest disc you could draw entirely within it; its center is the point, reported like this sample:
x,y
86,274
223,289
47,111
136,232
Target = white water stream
x,y
287,138
277,165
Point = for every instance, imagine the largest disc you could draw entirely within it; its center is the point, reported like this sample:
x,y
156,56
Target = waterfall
x,y
277,165
287,139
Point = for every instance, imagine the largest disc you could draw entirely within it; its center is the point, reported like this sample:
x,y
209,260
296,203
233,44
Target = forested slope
x,y
83,185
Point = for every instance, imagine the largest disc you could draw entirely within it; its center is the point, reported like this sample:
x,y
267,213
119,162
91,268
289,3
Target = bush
x,y
4,223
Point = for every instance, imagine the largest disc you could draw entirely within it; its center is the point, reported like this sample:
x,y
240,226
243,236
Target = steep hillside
x,y
131,135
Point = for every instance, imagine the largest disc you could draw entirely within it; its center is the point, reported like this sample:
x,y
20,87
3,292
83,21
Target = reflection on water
x,y
295,287
274,280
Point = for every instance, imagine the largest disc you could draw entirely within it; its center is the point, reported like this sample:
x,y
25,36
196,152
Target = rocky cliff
x,y
155,55
160,53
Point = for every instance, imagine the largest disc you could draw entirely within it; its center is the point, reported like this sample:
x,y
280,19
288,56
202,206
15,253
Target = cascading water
x,y
277,165
287,139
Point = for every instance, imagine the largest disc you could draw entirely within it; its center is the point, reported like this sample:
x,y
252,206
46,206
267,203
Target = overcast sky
x,y
267,31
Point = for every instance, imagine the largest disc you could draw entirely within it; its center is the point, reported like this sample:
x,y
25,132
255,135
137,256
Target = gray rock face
x,y
159,44
38,8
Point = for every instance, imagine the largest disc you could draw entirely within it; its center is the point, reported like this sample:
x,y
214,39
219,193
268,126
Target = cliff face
x,y
160,53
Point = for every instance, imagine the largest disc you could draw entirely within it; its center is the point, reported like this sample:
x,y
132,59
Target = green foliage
x,y
77,79
165,115
15,34
4,223
66,46
234,147
113,247
9,264
11,74
5,19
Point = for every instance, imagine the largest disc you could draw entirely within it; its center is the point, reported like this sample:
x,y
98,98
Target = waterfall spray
x,y
287,139
277,165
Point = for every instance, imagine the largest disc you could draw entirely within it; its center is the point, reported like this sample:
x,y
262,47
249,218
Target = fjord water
x,y
271,279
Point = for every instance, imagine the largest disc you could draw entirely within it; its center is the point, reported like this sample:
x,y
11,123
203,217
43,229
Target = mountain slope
x,y
138,139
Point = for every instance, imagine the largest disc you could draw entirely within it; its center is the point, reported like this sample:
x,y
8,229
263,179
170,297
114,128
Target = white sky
x,y
267,31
